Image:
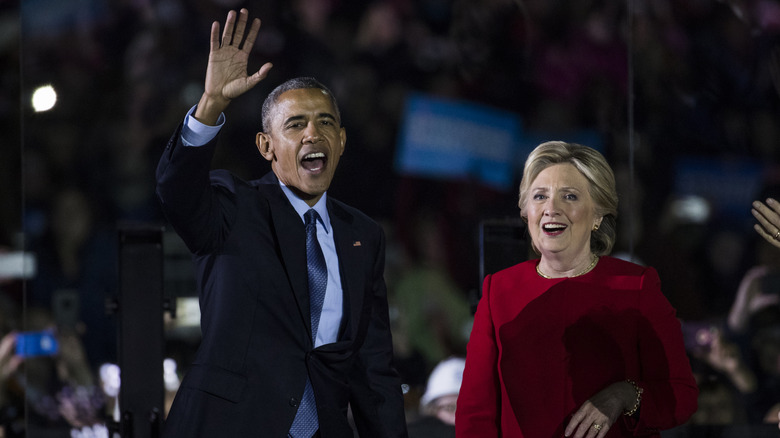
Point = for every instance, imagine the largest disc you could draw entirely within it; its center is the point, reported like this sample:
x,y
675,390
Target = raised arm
x,y
226,74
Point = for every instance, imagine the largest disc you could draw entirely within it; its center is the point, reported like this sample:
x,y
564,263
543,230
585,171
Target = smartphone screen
x,y
31,344
698,336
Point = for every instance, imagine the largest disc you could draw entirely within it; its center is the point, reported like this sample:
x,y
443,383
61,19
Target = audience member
x,y
433,315
717,405
60,389
77,272
12,403
439,402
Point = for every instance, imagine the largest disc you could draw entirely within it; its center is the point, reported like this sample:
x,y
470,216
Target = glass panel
x,y
681,96
15,264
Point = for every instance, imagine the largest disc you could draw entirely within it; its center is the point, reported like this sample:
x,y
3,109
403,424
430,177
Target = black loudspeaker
x,y
502,243
139,308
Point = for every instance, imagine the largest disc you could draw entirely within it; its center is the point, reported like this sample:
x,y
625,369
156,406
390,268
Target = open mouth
x,y
314,162
553,228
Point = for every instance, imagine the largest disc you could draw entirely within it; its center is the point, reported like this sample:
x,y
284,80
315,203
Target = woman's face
x,y
560,212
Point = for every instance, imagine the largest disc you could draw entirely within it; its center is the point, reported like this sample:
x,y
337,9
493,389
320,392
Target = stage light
x,y
44,98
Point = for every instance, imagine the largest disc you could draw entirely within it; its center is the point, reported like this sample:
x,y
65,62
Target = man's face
x,y
304,142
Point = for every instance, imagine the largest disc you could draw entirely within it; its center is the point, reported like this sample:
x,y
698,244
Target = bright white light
x,y
692,209
110,379
44,98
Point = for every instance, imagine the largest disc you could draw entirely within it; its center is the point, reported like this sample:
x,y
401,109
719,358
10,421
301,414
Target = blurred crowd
x,y
661,82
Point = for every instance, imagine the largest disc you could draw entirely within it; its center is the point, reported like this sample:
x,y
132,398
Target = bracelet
x,y
639,392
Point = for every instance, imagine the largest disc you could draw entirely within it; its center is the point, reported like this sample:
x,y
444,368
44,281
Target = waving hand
x,y
226,74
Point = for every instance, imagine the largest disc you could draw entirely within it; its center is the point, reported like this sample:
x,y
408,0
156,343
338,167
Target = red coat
x,y
541,347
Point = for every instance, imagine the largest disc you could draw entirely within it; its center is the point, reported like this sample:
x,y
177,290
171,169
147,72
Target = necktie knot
x,y
311,217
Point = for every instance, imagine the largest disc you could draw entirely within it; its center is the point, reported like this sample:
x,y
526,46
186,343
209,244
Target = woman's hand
x,y
768,216
596,416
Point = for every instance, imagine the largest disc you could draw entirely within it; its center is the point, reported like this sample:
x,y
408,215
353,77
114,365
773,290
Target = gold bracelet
x,y
639,392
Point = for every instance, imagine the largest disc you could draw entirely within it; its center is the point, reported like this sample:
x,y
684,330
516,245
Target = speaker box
x,y
502,243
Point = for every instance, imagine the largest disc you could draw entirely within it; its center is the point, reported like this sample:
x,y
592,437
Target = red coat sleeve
x,y
670,392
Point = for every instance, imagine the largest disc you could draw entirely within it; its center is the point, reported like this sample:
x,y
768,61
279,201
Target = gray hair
x,y
295,84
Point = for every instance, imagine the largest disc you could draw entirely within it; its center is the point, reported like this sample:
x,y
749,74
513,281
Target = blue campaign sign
x,y
443,138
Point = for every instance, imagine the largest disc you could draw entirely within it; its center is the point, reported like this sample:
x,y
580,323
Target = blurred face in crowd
x,y
72,217
304,142
561,212
716,406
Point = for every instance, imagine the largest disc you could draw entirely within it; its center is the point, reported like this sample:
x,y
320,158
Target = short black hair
x,y
295,84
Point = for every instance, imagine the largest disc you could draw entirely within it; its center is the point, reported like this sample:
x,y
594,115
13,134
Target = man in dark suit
x,y
263,363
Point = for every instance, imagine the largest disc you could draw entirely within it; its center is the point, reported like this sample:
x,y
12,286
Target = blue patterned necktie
x,y
306,421
318,271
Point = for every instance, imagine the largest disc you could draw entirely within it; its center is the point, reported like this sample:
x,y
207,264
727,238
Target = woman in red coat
x,y
575,343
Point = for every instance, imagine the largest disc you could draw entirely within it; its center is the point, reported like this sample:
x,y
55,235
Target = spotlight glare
x,y
44,98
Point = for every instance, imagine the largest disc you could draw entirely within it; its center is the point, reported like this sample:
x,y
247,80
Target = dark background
x,y
681,96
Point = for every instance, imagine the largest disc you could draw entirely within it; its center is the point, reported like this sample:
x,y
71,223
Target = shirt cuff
x,y
195,133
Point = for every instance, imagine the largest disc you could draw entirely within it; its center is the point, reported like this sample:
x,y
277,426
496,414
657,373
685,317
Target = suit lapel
x,y
290,234
289,231
350,260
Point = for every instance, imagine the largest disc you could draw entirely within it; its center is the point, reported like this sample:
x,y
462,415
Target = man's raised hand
x,y
226,74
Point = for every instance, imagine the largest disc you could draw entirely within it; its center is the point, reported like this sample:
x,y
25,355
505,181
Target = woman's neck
x,y
560,267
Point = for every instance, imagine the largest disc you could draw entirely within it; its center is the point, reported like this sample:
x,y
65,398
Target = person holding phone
x,y
294,314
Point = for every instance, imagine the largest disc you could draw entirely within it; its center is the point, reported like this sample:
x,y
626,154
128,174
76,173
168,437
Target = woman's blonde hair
x,y
596,170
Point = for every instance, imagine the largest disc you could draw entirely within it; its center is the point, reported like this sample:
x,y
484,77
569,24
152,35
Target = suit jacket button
x,y
293,402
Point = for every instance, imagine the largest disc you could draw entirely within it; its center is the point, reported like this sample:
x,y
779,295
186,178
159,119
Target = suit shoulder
x,y
352,214
233,183
224,178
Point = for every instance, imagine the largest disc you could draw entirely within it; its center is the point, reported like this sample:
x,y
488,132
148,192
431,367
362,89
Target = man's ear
x,y
343,138
263,142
